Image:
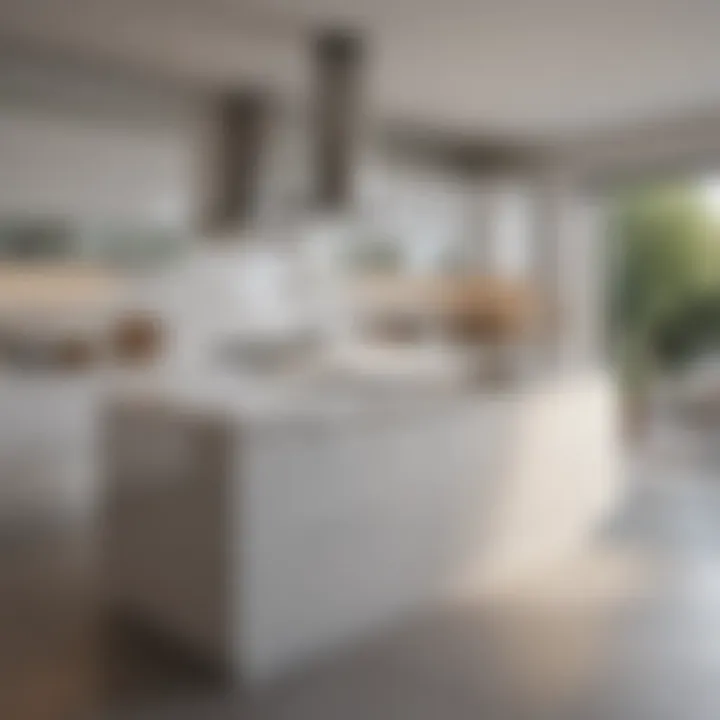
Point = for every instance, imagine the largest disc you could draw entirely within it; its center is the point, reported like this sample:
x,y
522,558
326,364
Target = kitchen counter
x,y
265,524
348,381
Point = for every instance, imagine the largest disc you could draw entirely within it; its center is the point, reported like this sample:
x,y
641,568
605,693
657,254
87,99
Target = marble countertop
x,y
308,396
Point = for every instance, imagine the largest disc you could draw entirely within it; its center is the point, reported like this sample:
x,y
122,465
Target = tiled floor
x,y
630,631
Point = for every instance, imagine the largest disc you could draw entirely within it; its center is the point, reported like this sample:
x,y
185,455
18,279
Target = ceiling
x,y
527,69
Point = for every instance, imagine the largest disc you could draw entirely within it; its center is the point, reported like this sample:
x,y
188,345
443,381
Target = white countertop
x,y
318,393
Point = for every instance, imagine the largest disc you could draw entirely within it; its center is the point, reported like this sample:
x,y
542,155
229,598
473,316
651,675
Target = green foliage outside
x,y
665,299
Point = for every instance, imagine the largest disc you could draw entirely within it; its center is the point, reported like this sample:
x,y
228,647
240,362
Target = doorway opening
x,y
665,304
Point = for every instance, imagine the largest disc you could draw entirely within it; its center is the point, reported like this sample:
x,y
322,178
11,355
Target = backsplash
x,y
116,244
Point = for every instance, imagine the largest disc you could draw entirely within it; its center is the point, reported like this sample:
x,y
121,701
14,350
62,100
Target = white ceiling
x,y
526,68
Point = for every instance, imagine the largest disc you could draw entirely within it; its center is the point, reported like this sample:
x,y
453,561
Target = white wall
x,y
96,146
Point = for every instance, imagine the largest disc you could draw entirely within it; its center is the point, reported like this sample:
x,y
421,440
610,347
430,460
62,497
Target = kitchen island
x,y
265,525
